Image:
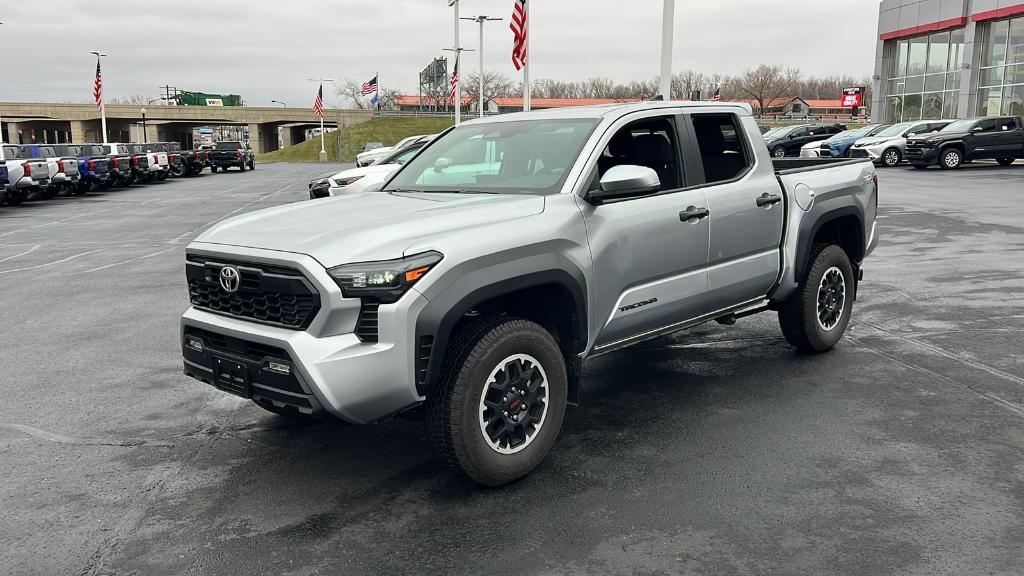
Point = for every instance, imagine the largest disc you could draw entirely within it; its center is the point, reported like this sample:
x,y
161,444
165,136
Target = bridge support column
x,y
13,136
255,138
77,132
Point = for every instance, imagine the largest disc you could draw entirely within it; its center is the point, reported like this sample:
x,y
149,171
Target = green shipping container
x,y
186,98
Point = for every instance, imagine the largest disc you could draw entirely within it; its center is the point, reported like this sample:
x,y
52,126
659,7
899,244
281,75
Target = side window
x,y
721,146
1006,124
650,142
987,125
799,133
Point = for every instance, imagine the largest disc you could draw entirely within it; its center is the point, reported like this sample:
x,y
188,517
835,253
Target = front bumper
x,y
338,373
874,153
921,155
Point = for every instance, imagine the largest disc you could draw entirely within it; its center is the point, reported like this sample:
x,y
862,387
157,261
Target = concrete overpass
x,y
26,122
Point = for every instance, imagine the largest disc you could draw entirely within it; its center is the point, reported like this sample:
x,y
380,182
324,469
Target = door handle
x,y
693,213
768,200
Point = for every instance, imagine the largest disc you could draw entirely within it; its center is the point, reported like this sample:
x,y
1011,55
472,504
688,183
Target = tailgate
x,y
40,169
100,164
70,165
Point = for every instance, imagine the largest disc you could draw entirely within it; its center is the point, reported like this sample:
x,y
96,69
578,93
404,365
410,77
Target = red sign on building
x,y
853,97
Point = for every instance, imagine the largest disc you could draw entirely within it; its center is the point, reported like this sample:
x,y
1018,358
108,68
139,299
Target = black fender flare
x,y
440,315
809,230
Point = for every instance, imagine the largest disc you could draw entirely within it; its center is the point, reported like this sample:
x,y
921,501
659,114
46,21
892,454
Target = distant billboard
x,y
186,98
853,97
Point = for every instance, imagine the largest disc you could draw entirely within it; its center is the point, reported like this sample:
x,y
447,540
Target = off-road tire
x,y
798,315
213,169
241,167
15,197
1005,161
452,408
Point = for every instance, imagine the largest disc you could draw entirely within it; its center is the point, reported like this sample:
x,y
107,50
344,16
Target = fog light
x,y
194,343
279,367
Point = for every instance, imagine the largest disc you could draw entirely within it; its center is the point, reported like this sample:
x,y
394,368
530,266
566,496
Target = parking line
x,y
51,263
32,249
104,267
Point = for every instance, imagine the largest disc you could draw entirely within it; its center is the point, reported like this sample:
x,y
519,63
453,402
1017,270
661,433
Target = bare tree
x,y
351,91
767,83
496,85
387,97
137,99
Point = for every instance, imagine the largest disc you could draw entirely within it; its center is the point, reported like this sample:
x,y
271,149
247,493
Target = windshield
x,y
777,132
959,126
524,157
74,151
895,129
174,147
135,149
402,156
11,152
228,146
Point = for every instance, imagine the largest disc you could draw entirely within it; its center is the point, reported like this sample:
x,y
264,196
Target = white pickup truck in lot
x,y
469,290
25,174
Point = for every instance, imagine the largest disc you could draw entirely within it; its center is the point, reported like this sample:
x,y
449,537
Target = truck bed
x,y
794,165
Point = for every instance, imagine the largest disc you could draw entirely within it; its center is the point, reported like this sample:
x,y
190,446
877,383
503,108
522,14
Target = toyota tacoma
x,y
469,288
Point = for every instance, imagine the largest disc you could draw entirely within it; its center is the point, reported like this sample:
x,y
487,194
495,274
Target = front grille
x,y
366,325
824,151
268,294
858,153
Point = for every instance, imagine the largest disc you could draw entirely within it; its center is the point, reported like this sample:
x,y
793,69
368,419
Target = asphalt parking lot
x,y
715,451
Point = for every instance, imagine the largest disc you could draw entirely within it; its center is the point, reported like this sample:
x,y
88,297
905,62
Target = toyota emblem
x,y
229,279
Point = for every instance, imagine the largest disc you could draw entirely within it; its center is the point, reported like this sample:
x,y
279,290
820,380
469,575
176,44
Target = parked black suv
x,y
787,140
997,137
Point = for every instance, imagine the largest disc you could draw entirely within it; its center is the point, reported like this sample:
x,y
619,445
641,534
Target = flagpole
x,y
458,84
526,63
103,108
323,150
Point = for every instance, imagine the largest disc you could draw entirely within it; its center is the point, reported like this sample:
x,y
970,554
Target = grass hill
x,y
352,139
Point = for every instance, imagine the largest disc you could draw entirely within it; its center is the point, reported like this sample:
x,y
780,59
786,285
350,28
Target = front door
x,y
649,253
747,210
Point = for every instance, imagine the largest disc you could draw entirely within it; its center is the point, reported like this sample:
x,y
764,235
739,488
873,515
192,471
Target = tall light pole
x,y
278,102
481,19
323,151
458,49
145,136
667,28
103,110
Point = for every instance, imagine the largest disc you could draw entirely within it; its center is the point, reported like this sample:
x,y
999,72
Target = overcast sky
x,y
265,49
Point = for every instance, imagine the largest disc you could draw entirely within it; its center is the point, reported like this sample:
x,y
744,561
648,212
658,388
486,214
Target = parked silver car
x,y
888,147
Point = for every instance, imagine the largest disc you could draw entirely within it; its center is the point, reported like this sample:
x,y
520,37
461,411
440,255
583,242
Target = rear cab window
x,y
723,151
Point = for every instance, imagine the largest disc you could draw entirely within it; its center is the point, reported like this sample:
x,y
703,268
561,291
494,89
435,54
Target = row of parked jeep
x,y
924,143
35,171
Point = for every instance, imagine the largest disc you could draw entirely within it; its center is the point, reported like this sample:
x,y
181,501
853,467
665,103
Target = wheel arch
x,y
554,298
843,226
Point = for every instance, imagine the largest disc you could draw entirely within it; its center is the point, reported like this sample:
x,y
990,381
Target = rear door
x,y
746,205
1006,138
797,138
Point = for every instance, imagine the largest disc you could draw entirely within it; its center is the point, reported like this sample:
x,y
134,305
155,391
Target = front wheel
x,y
891,157
1004,161
778,152
816,315
951,159
498,405
252,164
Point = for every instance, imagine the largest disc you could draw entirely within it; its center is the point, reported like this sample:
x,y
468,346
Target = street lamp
x,y
279,102
145,137
668,9
480,95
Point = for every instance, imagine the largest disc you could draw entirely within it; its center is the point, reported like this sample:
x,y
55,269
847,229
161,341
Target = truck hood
x,y
872,140
367,226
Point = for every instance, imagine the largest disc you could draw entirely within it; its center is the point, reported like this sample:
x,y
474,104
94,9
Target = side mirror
x,y
977,129
441,164
624,181
909,134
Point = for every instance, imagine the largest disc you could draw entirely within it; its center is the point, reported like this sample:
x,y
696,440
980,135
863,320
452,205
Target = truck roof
x,y
613,110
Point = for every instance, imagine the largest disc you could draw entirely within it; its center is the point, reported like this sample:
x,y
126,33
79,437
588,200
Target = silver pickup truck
x,y
471,287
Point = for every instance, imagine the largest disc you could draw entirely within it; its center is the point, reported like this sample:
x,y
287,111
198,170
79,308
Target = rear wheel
x,y
252,164
498,405
213,169
950,159
891,157
816,315
15,197
1004,161
778,152
241,167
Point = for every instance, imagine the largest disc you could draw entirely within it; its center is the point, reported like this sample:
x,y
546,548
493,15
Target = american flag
x,y
717,96
318,104
370,87
454,81
97,88
518,27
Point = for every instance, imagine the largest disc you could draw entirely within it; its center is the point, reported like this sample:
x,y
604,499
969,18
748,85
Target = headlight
x,y
386,280
345,181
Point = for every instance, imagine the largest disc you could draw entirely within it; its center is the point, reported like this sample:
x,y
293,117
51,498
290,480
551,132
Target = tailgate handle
x,y
769,200
693,213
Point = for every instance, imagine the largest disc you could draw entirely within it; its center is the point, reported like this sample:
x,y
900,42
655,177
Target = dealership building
x,y
948,59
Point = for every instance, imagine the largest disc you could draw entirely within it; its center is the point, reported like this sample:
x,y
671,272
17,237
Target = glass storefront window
x,y
1002,87
918,56
932,108
925,77
938,52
